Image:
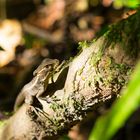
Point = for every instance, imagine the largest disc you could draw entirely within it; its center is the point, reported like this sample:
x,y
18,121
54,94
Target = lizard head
x,y
46,65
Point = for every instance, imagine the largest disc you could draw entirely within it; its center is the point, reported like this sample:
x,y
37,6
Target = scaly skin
x,y
39,83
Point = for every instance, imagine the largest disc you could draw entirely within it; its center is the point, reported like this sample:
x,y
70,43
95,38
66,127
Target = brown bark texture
x,y
94,76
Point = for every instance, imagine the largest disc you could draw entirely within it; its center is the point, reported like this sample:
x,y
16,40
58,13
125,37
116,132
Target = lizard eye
x,y
50,68
34,73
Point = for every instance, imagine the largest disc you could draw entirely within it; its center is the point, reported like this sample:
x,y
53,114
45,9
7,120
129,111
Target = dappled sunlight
x,y
10,37
89,39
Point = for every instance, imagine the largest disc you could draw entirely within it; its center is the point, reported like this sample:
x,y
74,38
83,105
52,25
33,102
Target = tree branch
x,y
94,76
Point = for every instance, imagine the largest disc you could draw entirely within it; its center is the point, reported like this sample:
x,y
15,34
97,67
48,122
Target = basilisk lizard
x,y
43,76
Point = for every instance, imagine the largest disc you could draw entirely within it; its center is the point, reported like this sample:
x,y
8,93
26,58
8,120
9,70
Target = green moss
x,y
2,123
79,72
96,57
109,72
114,34
31,41
116,72
83,44
127,34
55,106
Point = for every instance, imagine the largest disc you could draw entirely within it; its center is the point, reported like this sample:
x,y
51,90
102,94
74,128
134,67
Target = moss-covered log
x,y
95,76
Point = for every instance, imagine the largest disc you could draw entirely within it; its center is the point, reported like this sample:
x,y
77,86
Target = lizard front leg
x,y
39,83
23,95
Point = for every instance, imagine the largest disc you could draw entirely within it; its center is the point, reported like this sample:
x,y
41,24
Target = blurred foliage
x,y
109,124
33,41
65,137
127,3
117,4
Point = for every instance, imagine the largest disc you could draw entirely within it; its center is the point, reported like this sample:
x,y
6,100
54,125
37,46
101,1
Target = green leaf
x,y
109,124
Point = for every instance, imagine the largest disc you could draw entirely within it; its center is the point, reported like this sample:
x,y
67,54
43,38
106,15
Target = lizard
x,y
43,76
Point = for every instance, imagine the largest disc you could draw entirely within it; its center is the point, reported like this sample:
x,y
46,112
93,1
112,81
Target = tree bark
x,y
95,75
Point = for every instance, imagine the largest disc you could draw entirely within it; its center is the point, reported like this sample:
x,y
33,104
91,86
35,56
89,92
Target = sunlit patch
x,y
10,37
